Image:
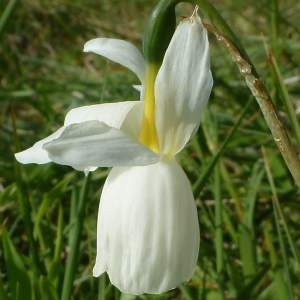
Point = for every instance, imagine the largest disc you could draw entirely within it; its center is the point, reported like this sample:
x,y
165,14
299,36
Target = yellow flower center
x,y
148,134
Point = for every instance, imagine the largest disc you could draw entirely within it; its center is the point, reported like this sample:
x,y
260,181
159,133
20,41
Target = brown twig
x,y
265,103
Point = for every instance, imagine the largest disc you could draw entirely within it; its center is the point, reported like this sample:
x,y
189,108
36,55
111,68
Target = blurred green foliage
x,y
249,208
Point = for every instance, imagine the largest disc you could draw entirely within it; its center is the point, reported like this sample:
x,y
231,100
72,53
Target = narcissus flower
x,y
148,230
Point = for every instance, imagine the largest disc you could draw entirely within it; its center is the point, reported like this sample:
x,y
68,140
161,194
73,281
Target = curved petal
x,y
124,115
119,51
133,121
93,143
182,86
36,154
112,114
148,231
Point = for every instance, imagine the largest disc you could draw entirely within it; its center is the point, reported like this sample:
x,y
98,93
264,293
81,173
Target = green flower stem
x,y
159,31
219,230
77,218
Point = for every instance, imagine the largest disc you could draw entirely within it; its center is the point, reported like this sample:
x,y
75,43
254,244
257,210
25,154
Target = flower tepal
x,y
148,230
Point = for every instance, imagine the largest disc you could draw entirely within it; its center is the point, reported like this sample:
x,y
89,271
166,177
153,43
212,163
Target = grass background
x,y
248,205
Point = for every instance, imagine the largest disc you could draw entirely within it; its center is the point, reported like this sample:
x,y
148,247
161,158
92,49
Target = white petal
x,y
120,52
112,114
36,154
148,231
93,143
132,123
126,115
182,86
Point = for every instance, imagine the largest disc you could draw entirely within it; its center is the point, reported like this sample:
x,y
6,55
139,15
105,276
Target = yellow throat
x,y
148,134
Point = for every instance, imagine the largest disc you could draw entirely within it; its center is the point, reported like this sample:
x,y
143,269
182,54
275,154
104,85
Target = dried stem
x,y
265,103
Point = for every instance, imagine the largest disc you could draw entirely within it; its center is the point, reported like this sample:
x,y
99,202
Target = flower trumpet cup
x,y
148,230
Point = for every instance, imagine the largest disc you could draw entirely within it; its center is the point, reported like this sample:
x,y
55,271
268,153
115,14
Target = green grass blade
x,y
48,201
102,287
280,213
285,97
201,181
253,189
246,230
74,241
247,292
282,289
280,284
232,191
219,230
186,294
18,278
256,86
25,209
3,294
247,252
7,13
274,28
55,265
282,280
59,236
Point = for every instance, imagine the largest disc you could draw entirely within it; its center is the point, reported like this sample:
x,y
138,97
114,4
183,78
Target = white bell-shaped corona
x,y
148,230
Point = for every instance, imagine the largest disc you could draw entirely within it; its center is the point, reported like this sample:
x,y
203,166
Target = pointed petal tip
x,y
87,46
31,155
119,51
91,45
21,157
180,101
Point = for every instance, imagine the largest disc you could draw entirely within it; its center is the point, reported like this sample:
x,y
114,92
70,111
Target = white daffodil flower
x,y
148,230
